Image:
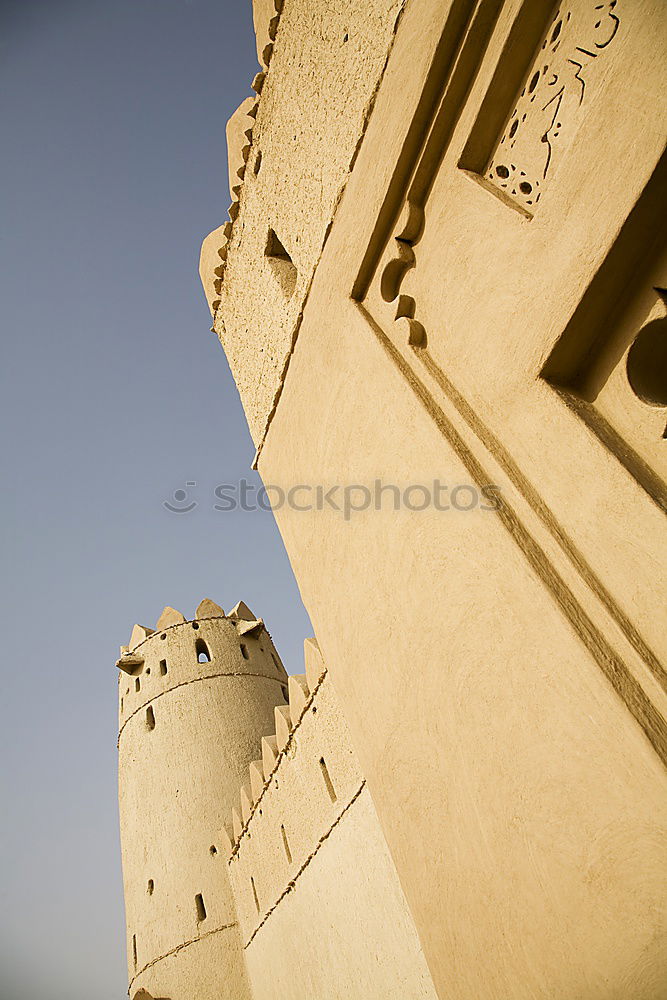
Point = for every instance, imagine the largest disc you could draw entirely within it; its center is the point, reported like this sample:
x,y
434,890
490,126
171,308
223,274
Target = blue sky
x,y
115,395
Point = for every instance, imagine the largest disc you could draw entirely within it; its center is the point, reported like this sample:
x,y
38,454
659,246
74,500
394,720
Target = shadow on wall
x,y
143,995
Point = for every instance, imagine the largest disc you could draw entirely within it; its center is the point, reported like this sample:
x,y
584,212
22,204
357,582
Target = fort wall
x,y
320,908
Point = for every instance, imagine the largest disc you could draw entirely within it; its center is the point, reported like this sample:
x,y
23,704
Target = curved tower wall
x,y
188,731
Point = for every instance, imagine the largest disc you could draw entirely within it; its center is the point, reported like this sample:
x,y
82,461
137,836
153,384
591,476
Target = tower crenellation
x,y
179,650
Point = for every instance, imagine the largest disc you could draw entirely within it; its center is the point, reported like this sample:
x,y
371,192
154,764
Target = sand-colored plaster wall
x,y
495,290
209,968
188,732
321,910
355,936
326,63
524,807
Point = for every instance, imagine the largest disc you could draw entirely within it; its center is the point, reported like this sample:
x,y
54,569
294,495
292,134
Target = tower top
x,y
130,656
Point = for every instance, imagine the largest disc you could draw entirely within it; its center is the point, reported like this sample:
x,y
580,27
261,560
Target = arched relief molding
x,y
459,53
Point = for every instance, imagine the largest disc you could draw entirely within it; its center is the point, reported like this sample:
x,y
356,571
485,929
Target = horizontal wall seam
x,y
180,947
303,867
279,758
194,680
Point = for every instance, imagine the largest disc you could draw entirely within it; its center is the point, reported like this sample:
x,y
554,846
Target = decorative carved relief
x,y
408,232
550,99
561,50
456,63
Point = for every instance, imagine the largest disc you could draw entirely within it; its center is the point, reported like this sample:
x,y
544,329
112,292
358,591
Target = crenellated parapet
x,y
178,651
290,156
307,779
239,135
319,907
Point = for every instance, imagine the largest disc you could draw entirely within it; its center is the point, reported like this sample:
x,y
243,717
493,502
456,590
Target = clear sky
x,y
115,395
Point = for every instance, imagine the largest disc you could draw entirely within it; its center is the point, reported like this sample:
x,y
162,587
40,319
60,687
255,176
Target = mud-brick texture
x,y
327,62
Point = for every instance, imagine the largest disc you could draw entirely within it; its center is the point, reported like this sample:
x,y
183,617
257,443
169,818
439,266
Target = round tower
x,y
194,698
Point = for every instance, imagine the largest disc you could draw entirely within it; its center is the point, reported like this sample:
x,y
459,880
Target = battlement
x,y
307,779
179,650
316,895
239,134
290,152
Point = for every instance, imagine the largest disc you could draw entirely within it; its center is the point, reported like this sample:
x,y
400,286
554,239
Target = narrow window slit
x,y
137,685
203,655
163,667
254,892
150,718
286,845
327,780
134,949
201,909
244,652
150,887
